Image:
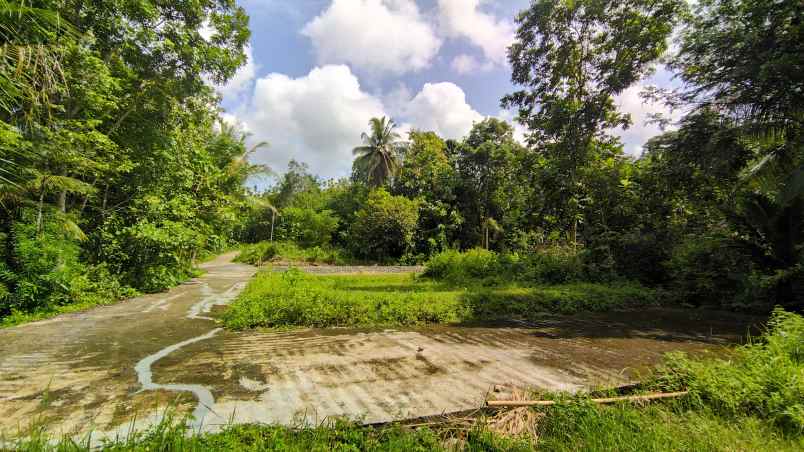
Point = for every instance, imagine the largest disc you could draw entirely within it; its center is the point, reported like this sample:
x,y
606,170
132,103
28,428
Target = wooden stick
x,y
634,398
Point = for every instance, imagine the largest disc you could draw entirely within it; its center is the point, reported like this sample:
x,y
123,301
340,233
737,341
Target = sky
x,y
318,70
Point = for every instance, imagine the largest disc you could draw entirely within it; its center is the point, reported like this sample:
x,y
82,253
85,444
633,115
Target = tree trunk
x,y
63,201
273,217
103,206
39,212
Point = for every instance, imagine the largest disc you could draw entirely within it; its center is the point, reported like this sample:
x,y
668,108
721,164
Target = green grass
x,y
293,298
335,436
657,427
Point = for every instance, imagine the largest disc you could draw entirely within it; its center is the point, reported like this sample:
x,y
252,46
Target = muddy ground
x,y
109,369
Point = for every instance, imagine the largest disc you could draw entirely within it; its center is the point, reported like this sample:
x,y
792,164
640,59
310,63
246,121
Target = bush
x,y
554,265
306,227
532,302
260,253
44,275
383,229
151,256
545,266
708,270
456,266
257,254
764,378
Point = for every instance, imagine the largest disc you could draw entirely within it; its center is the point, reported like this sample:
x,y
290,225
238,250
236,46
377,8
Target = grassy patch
x,y
294,298
657,427
335,436
525,302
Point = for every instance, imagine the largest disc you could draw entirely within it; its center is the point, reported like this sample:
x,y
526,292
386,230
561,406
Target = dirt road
x,y
108,369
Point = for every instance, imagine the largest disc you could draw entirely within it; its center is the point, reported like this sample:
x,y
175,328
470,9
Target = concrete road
x,y
114,368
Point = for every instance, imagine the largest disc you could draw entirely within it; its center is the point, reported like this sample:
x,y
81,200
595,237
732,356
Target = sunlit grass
x,y
293,298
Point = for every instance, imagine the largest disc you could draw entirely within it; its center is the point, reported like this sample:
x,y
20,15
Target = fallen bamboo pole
x,y
634,398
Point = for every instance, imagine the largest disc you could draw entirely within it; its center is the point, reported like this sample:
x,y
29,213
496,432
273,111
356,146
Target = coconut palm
x,y
378,157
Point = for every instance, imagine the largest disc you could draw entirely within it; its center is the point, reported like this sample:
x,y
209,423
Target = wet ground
x,y
108,369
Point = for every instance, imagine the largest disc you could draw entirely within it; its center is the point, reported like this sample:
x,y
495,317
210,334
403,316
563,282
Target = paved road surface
x,y
108,369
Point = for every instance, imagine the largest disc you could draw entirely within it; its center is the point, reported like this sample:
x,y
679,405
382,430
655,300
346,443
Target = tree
x,y
378,157
745,57
490,194
383,229
427,174
571,59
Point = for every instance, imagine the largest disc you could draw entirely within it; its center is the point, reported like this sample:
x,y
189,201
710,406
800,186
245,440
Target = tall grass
x,y
294,298
764,378
751,401
337,435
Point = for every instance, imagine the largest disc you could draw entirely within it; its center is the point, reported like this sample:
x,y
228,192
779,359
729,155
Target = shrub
x,y
47,275
306,227
545,266
260,253
383,229
554,265
456,266
708,270
257,253
764,378
151,256
531,302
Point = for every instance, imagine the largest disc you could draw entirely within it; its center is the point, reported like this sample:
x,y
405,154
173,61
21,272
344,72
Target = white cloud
x,y
519,129
316,119
464,19
378,36
442,108
242,79
465,64
640,132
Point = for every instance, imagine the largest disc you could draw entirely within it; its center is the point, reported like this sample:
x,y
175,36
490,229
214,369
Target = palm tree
x,y
378,158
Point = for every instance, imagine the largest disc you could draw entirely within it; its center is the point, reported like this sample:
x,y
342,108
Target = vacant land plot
x,y
294,298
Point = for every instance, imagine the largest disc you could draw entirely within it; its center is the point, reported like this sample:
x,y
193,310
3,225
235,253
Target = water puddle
x,y
201,392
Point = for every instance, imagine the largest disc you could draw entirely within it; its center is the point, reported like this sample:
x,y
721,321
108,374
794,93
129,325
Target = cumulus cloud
x,y
640,131
442,108
464,19
378,36
465,64
242,79
519,129
317,118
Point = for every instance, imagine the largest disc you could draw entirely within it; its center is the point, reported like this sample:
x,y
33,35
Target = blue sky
x,y
319,69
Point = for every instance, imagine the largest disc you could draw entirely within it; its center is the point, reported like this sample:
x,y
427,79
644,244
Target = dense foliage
x,y
116,173
713,210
